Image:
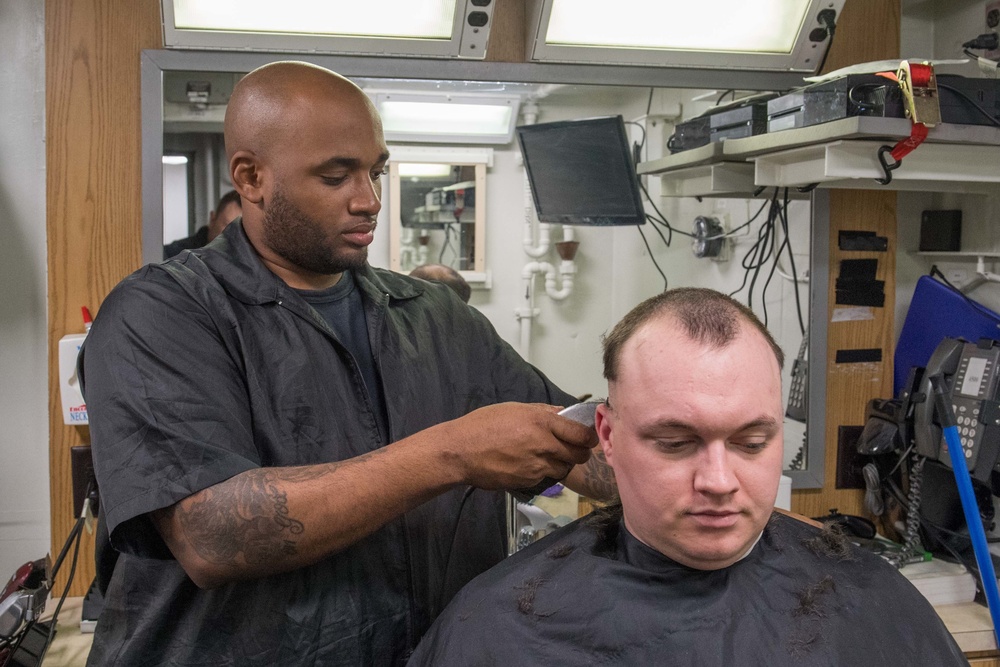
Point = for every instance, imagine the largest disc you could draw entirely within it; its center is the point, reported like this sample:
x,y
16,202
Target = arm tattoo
x,y
246,515
600,478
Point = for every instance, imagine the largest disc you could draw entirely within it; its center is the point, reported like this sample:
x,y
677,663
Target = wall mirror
x,y
438,211
444,210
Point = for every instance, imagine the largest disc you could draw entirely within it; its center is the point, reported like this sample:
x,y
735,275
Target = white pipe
x,y
406,249
530,247
527,312
566,270
529,113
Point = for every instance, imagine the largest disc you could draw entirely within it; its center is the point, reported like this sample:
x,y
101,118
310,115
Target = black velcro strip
x,y
859,356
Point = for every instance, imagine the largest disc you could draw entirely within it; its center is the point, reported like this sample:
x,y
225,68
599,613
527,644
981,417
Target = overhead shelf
x,y
839,154
854,164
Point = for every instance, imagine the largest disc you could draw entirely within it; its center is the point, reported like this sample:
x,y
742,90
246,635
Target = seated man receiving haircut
x,y
693,567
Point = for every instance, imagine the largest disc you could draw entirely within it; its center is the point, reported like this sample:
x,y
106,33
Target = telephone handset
x,y
971,373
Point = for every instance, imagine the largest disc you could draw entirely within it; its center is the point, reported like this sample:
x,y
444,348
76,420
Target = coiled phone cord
x,y
911,538
912,550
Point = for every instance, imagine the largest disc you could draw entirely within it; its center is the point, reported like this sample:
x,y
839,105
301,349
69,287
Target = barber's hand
x,y
517,445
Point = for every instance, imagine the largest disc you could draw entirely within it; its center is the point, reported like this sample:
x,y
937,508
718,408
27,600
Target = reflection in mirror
x,y
437,211
437,204
177,200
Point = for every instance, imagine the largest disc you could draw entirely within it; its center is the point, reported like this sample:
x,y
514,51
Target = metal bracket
x,y
922,103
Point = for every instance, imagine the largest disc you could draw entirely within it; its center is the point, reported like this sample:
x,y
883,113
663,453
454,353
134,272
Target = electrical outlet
x,y
709,238
849,461
992,25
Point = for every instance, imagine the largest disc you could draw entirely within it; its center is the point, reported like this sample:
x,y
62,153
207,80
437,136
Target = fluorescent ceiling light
x,y
726,34
763,26
423,169
425,28
447,119
174,159
431,19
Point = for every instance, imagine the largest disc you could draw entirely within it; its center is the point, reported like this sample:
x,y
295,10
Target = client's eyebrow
x,y
762,422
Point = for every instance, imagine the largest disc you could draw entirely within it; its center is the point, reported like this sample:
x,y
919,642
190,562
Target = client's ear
x,y
603,421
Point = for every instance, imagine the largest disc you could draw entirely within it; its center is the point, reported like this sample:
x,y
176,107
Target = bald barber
x,y
301,457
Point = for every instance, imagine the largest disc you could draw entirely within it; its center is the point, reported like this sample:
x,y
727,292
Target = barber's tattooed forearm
x,y
246,516
600,478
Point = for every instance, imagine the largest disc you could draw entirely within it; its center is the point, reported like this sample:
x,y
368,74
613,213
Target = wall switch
x,y
992,25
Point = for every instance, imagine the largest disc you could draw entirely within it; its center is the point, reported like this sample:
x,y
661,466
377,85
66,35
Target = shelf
x,y
854,164
839,154
696,156
710,180
960,253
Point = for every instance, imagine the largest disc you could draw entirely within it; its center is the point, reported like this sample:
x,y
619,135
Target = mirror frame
x,y
154,62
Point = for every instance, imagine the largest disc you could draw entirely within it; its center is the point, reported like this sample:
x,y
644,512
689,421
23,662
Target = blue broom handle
x,y
946,416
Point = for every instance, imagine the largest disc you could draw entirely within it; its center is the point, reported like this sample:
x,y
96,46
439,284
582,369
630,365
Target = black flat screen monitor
x,y
581,172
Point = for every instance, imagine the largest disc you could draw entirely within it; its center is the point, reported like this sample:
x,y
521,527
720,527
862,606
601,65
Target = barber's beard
x,y
300,239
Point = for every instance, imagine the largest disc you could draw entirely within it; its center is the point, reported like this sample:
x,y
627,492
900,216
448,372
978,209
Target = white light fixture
x,y
175,159
443,28
459,119
423,170
777,35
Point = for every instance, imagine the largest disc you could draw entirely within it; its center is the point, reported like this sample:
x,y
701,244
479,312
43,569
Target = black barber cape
x,y
595,595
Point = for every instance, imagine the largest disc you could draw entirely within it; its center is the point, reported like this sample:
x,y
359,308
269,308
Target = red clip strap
x,y
917,135
920,75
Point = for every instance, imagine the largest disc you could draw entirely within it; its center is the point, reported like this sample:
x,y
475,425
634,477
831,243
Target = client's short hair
x,y
707,316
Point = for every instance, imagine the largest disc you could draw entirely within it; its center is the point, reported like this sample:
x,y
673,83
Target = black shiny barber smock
x,y
208,365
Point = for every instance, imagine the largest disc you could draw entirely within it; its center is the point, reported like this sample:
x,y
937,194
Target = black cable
x,y
993,119
656,229
862,105
661,216
988,41
723,95
978,58
446,244
795,275
765,247
640,126
774,267
754,249
827,17
748,222
670,230
785,243
649,103
653,259
78,528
